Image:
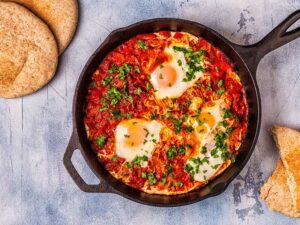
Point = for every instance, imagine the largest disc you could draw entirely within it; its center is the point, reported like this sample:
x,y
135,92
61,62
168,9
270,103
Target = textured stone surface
x,y
34,130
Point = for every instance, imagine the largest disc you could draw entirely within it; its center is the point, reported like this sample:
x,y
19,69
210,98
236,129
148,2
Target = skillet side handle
x,y
278,37
73,145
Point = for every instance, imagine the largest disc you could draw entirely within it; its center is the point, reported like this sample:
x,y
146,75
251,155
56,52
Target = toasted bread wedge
x,y
288,143
275,192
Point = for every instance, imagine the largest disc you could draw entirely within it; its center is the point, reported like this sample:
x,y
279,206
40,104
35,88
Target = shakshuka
x,y
166,112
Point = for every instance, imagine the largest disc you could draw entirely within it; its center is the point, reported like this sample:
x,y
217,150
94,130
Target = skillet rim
x,y
84,74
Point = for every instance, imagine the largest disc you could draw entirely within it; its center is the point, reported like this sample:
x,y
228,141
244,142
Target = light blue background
x,y
34,131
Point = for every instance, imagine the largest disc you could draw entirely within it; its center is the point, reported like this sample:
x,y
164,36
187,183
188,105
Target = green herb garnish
x,y
179,62
137,91
203,149
114,95
172,152
181,149
151,178
148,86
112,69
153,116
220,91
138,159
177,125
107,80
190,129
215,166
227,113
142,45
194,61
220,83
137,70
101,141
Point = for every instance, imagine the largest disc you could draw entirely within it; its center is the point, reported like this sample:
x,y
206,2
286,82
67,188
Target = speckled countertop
x,y
34,131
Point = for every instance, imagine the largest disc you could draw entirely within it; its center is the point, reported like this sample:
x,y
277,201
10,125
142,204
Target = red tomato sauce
x,y
114,97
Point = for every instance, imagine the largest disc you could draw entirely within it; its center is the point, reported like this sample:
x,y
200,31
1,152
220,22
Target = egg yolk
x,y
136,134
202,129
207,118
166,76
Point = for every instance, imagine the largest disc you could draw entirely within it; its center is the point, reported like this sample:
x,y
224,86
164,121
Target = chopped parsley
x,y
188,168
193,60
144,175
123,70
223,123
116,114
220,83
189,129
227,113
114,95
129,165
181,149
185,117
153,116
214,152
148,86
101,141
103,108
142,45
220,91
170,169
114,158
208,87
151,178
229,130
107,80
203,149
137,91
215,166
112,69
137,70
139,159
199,84
177,125
196,167
178,183
179,62
172,152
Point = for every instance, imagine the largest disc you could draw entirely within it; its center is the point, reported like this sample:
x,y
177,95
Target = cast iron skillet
x,y
245,58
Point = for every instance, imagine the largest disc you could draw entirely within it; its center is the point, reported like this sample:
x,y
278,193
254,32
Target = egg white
x,y
207,139
179,87
129,153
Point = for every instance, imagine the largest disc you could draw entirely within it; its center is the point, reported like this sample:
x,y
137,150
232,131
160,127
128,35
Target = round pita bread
x,y
60,15
28,51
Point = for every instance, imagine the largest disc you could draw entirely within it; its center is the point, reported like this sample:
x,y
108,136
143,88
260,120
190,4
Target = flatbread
x,y
275,192
288,143
60,15
28,51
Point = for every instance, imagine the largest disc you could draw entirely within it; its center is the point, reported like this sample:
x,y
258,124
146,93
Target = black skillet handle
x,y
73,145
252,54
